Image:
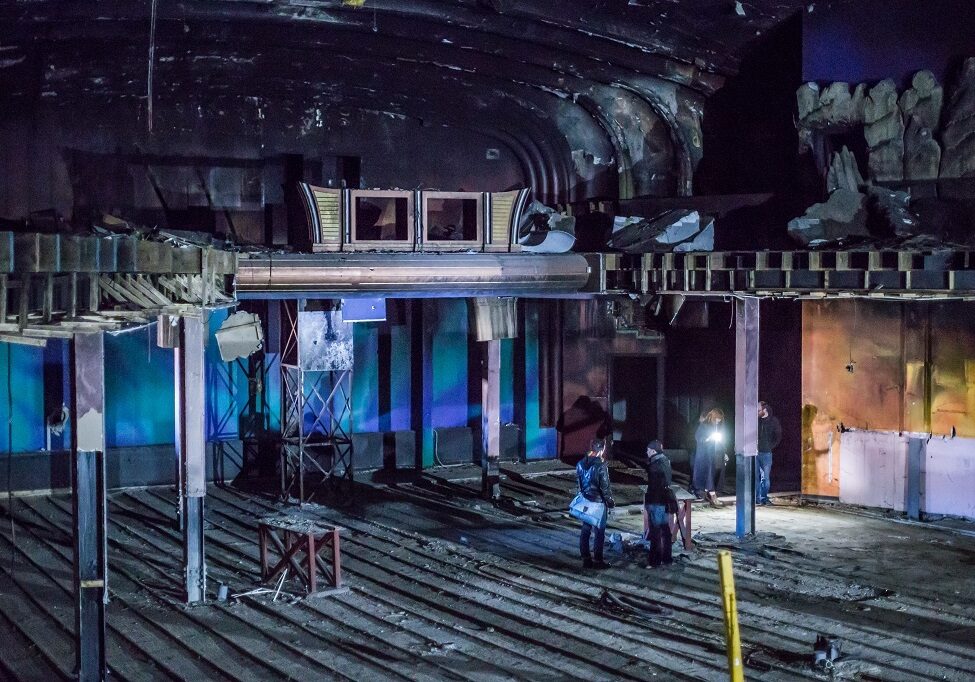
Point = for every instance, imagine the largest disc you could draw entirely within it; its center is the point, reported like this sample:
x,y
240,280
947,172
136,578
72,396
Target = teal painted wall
x,y
447,400
21,398
139,393
400,380
226,386
365,377
540,442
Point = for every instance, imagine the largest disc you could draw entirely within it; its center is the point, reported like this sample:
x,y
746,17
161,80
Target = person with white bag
x,y
592,503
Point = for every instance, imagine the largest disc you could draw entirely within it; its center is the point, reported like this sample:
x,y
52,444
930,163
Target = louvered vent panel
x,y
330,216
501,208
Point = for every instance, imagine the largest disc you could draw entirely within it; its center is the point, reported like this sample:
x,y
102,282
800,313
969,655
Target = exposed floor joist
x,y
444,586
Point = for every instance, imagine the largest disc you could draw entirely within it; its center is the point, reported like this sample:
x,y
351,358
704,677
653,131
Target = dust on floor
x,y
444,586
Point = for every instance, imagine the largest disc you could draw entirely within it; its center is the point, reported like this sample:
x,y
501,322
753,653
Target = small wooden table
x,y
292,536
681,521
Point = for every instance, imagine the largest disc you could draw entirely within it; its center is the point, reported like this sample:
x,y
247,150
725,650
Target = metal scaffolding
x,y
238,431
316,405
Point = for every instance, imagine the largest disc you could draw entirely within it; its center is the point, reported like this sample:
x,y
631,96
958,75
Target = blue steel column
x,y
88,504
191,449
916,452
746,412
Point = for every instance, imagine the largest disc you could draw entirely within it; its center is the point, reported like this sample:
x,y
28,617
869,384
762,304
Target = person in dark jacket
x,y
769,437
593,477
657,502
709,455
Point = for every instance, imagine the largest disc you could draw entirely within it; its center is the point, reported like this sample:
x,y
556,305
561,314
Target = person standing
x,y
709,455
593,477
769,437
658,505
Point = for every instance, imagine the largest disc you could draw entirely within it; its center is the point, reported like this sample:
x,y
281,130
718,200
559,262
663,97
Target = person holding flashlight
x,y
709,456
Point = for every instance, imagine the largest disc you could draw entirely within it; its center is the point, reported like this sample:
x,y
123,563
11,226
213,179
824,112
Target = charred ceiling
x,y
590,98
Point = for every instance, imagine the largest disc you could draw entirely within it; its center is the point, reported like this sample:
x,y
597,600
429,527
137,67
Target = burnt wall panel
x,y
590,340
912,372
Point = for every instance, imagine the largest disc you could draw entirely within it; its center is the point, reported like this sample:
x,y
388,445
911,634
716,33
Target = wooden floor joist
x,y
444,587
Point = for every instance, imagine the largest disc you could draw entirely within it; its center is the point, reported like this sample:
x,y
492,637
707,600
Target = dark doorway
x,y
634,400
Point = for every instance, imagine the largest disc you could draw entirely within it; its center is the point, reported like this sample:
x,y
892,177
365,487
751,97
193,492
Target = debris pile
x,y
545,230
677,230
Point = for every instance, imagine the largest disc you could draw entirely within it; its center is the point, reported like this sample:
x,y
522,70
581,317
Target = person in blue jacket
x,y
593,478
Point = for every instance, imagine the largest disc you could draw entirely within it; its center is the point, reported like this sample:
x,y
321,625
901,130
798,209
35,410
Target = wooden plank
x,y
6,252
35,252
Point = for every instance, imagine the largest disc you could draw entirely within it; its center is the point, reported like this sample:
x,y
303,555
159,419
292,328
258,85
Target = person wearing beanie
x,y
657,503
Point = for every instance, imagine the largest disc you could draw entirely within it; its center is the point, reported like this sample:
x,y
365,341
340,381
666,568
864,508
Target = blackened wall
x,y
750,143
210,165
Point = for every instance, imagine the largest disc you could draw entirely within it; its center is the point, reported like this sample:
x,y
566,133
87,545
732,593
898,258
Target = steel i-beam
x,y
746,412
88,504
191,449
491,420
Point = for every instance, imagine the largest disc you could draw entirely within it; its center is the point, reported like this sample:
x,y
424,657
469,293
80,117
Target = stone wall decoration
x,y
923,100
834,108
893,209
958,134
843,172
883,128
842,216
922,153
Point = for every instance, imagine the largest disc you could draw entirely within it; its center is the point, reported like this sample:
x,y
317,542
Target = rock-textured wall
x,y
958,134
883,128
909,136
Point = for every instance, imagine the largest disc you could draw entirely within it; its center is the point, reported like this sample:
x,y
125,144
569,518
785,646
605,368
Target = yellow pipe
x,y
736,670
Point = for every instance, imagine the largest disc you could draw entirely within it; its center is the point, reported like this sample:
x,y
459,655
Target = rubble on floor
x,y
446,586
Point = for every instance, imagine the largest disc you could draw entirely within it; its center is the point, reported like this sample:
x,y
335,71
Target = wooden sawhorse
x,y
681,521
292,537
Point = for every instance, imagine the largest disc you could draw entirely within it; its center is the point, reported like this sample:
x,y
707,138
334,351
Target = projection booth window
x,y
381,218
452,219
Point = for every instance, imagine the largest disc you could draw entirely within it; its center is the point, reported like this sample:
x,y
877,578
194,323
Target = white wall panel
x,y
948,479
873,472
873,469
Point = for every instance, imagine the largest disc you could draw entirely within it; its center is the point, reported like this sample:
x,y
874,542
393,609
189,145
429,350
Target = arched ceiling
x,y
575,89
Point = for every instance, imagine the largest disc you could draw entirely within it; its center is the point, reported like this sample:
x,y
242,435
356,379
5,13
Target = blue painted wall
x,y
140,396
21,398
540,442
139,391
869,40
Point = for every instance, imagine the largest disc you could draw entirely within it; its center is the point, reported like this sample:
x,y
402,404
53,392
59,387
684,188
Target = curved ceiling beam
x,y
433,56
181,67
486,93
486,31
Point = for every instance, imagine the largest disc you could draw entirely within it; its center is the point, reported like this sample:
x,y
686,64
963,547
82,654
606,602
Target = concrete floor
x,y
445,586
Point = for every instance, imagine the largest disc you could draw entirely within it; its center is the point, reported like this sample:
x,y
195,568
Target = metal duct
x,y
411,275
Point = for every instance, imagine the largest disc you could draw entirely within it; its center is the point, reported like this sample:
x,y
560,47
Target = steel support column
x,y
191,449
916,452
746,412
491,420
88,504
